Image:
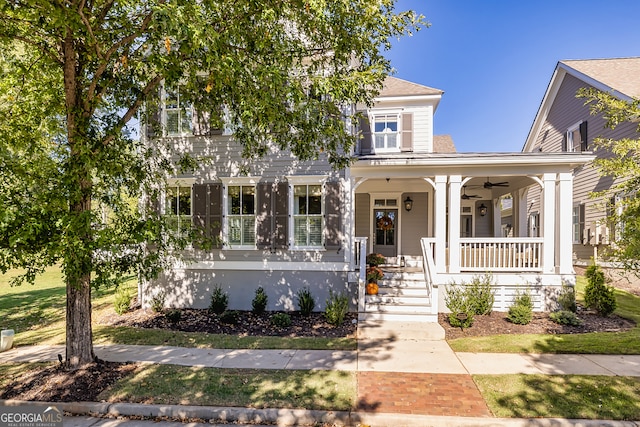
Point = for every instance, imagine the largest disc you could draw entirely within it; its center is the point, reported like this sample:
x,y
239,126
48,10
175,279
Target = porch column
x,y
497,217
454,223
520,213
548,222
564,211
440,223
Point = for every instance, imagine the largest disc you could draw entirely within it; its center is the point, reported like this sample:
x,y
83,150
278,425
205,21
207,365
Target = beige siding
x,y
567,111
414,224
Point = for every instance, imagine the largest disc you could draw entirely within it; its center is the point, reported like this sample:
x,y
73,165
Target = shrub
x,y
259,303
122,300
157,302
219,301
375,259
456,300
521,312
306,302
230,317
480,294
173,316
567,299
598,295
337,308
281,320
565,317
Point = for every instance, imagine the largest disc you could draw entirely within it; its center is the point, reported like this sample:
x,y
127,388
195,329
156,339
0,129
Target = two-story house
x,y
285,224
563,123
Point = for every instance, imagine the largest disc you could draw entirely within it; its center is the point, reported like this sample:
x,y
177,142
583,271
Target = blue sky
x,y
494,59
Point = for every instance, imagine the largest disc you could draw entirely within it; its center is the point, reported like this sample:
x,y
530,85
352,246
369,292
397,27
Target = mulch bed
x,y
248,323
497,323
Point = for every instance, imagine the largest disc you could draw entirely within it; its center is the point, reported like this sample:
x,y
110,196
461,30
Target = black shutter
x,y
407,132
200,123
333,216
264,215
581,223
154,115
207,211
281,216
565,140
584,142
215,214
365,135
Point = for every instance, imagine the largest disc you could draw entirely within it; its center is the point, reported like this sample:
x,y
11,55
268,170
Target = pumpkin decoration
x,y
372,288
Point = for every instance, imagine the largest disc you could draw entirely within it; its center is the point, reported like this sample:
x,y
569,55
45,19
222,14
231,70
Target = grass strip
x,y
561,396
179,385
129,335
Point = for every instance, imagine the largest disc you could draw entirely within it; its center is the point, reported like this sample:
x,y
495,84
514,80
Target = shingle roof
x,y
443,144
620,74
394,86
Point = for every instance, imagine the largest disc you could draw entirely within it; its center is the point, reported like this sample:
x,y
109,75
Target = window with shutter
x,y
575,139
241,215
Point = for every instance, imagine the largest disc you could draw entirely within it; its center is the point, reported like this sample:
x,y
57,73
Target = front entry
x,y
385,224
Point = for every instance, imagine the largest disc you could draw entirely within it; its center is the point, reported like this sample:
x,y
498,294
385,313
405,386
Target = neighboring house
x,y
564,123
434,213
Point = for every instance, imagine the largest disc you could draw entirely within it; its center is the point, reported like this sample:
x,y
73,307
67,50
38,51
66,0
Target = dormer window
x,y
385,132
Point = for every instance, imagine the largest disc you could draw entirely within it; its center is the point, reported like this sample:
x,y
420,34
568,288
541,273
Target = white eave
x,y
492,164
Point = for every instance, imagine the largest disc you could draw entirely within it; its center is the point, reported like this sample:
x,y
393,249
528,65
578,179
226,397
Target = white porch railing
x,y
360,264
501,254
428,261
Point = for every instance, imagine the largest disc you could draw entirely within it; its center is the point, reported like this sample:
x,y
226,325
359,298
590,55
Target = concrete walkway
x,y
388,347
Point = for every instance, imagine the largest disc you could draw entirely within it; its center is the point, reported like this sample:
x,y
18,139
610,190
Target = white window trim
x,y
570,141
231,181
372,121
305,180
163,119
177,183
574,240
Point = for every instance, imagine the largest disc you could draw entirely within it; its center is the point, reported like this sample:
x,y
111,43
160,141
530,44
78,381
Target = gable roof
x,y
618,76
394,86
443,144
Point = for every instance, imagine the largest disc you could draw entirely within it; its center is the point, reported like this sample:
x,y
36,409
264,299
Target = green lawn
x,y
170,384
561,396
591,343
36,313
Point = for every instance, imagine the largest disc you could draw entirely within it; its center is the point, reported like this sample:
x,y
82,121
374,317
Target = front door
x,y
385,224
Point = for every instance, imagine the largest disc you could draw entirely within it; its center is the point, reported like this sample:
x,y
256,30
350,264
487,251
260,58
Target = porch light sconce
x,y
482,209
408,204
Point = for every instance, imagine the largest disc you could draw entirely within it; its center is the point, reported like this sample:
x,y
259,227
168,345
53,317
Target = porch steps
x,y
402,297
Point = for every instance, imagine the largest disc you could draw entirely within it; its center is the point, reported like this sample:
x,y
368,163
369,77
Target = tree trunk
x,y
79,336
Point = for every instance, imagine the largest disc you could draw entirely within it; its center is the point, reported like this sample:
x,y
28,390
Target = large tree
x,y
76,72
622,162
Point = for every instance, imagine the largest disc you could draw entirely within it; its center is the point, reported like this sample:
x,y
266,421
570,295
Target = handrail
x,y
360,263
428,245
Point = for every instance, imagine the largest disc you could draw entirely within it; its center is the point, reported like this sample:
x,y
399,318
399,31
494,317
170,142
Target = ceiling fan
x,y
466,196
489,184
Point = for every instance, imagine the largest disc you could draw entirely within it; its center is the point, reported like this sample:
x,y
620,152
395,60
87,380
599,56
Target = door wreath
x,y
385,223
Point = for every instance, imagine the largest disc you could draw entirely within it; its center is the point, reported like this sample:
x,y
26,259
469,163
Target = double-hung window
x,y
241,215
178,115
578,224
307,215
575,139
178,209
385,132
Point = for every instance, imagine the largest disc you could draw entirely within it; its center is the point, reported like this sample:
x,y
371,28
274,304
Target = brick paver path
x,y
418,393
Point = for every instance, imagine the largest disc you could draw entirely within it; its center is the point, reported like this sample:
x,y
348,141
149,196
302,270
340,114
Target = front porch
x,y
458,226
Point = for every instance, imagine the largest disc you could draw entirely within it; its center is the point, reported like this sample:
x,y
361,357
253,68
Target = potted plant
x,y
375,259
373,275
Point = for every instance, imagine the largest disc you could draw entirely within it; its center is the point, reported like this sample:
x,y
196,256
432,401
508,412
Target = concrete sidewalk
x,y
418,356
